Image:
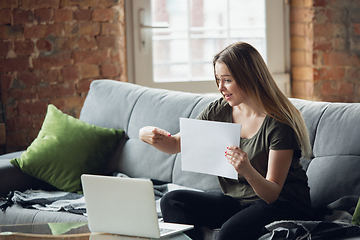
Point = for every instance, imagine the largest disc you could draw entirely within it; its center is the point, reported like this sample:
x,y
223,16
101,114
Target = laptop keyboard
x,y
165,230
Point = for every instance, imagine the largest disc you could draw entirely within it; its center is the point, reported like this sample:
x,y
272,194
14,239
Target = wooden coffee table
x,y
66,230
54,231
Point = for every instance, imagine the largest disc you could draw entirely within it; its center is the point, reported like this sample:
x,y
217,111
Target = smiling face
x,y
228,86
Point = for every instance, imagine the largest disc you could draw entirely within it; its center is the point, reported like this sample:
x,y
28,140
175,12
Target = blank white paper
x,y
203,146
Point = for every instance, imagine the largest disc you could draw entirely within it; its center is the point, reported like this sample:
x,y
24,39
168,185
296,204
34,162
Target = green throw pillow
x,y
65,148
356,217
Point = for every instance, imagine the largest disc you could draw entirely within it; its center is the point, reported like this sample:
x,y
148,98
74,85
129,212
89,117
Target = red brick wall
x,y
325,50
50,51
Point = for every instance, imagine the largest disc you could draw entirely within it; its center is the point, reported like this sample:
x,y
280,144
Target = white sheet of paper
x,y
203,146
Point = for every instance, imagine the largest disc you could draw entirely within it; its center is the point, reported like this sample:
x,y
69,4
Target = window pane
x,y
198,30
202,71
209,13
178,72
205,48
245,14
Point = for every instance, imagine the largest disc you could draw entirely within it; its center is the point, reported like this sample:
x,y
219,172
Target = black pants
x,y
220,211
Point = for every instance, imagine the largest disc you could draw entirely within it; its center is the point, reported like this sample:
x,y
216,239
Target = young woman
x,y
271,183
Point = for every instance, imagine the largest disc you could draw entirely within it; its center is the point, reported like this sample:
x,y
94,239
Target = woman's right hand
x,y
153,135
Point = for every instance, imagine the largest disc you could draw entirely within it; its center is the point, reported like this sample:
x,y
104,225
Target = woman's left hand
x,y
238,158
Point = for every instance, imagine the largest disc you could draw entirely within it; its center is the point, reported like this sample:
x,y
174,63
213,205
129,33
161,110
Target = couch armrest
x,y
12,178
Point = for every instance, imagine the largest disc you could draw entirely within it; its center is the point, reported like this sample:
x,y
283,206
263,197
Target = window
x,y
179,56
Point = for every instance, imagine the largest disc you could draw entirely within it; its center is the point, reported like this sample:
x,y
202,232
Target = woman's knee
x,y
171,195
171,198
186,197
173,206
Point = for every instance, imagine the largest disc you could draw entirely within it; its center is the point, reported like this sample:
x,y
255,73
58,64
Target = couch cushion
x,y
338,131
312,113
160,108
334,172
66,148
333,177
110,103
12,178
11,155
140,160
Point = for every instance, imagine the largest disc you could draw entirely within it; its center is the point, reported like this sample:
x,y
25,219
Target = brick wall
x,y
325,50
50,51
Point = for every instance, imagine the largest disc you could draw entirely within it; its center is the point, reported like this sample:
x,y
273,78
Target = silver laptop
x,y
124,206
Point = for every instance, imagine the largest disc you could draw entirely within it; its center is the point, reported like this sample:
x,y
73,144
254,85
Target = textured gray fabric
x,y
139,159
311,112
334,172
11,178
333,177
338,131
11,155
309,230
161,108
110,103
16,215
202,104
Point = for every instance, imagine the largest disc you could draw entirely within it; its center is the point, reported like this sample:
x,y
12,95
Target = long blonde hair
x,y
252,75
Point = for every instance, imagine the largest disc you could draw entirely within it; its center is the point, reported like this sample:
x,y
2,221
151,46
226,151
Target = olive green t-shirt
x,y
273,135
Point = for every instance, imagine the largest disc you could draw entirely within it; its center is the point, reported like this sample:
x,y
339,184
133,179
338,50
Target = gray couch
x,y
334,131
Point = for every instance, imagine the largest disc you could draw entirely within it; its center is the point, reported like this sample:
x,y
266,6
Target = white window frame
x,y
139,63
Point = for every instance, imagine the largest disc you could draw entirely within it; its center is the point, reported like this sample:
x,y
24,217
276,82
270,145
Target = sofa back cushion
x,y
130,107
311,112
334,172
334,131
